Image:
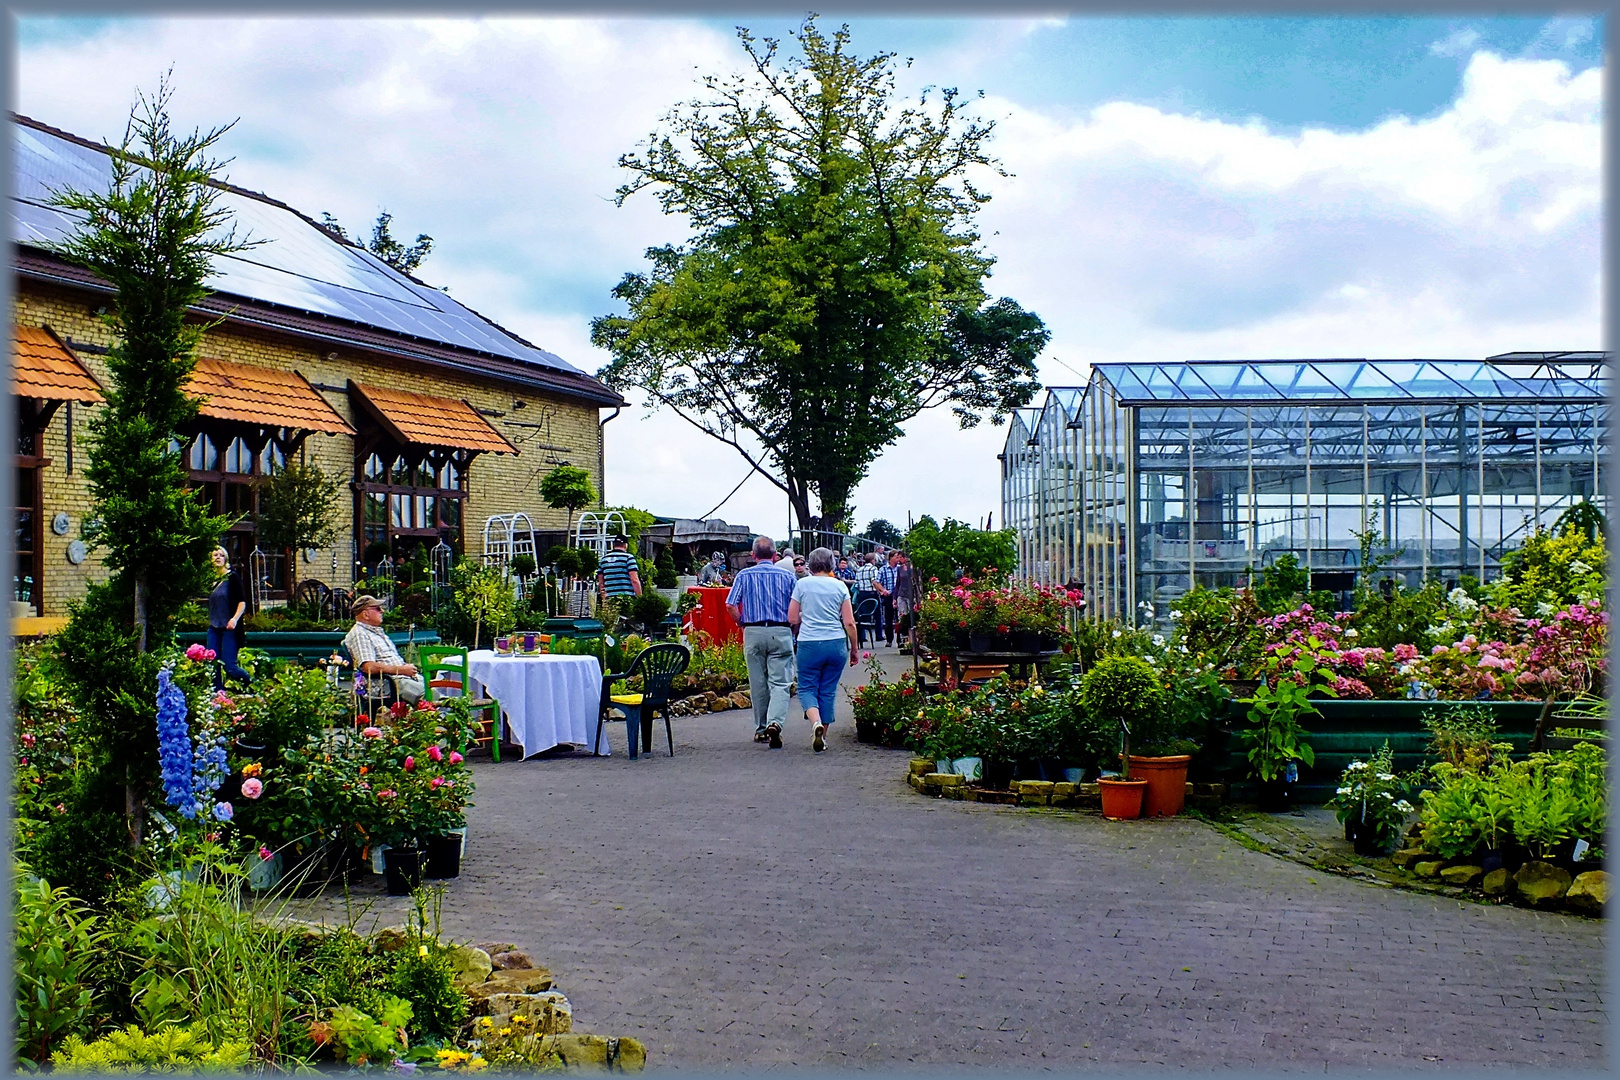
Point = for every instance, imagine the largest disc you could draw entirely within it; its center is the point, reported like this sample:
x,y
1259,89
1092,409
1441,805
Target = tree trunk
x,y
134,811
140,613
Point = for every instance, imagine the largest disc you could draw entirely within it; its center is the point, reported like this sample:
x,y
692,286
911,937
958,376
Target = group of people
x,y
885,577
798,618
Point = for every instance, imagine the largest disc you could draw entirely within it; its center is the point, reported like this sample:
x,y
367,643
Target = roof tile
x,y
43,367
433,421
262,396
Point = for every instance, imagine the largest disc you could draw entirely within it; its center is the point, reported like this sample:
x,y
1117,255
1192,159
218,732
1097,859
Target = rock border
x,y
1051,793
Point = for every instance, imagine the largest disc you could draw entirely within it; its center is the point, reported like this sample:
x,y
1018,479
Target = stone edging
x,y
923,779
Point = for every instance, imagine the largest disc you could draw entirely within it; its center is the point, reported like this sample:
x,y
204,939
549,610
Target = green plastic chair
x,y
440,661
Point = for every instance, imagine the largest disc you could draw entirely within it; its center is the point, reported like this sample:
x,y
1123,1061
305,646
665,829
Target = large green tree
x,y
153,236
833,287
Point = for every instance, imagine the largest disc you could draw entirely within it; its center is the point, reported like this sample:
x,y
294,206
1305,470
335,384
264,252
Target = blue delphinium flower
x,y
209,768
174,746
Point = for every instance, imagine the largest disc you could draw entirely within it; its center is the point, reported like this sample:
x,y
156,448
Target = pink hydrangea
x,y
1404,651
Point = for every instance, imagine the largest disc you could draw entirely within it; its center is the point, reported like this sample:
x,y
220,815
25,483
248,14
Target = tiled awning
x,y
426,420
43,367
255,395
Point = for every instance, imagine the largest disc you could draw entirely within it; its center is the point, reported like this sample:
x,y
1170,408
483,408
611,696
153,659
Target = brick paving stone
x,y
754,908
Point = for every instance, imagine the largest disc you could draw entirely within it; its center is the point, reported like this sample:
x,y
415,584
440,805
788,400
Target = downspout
x,y
601,450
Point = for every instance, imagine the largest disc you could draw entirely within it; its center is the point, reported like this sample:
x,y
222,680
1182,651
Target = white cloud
x,y
1135,232
1457,43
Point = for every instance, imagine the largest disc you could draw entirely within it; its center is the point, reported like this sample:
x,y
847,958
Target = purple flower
x,y
223,811
174,746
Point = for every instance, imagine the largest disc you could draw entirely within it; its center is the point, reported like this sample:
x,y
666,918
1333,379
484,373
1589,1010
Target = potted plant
x,y
1163,752
1371,805
1275,738
1124,690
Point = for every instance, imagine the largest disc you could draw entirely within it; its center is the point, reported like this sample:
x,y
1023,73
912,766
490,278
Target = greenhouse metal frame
x,y
1433,468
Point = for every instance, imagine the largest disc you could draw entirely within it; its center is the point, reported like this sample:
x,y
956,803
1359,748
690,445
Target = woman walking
x,y
821,613
227,606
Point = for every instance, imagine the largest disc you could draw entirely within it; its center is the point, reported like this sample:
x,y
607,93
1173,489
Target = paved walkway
x,y
736,906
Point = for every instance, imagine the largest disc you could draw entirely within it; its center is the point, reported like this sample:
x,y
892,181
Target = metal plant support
x,y
440,559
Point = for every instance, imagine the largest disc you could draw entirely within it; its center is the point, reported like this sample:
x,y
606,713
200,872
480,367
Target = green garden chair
x,y
445,670
657,665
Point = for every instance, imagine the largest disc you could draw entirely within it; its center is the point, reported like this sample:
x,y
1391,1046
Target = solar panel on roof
x,y
299,267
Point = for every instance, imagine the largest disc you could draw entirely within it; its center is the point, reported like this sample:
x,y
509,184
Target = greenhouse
x,y
1152,477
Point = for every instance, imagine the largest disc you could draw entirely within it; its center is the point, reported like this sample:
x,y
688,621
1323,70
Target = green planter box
x,y
1351,730
306,647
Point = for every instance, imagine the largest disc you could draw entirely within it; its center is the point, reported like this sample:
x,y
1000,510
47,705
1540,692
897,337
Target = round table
x,y
549,700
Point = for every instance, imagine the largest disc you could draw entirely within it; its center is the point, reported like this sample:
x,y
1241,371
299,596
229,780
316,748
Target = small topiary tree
x,y
298,508
665,576
568,487
1127,691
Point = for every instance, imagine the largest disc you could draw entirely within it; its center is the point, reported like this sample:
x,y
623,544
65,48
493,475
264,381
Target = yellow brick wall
x,y
497,484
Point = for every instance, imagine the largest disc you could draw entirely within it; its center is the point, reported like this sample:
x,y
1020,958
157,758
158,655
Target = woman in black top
x,y
227,607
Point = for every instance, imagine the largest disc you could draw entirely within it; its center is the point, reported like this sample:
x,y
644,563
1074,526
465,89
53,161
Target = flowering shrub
x,y
1371,801
882,709
992,604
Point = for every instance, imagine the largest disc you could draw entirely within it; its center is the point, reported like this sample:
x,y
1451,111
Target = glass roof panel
x,y
1367,380
1323,381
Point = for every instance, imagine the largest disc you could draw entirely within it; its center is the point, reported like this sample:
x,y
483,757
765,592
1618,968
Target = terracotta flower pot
x,y
1166,783
1122,799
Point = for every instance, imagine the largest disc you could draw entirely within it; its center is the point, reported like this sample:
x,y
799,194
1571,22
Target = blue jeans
x,y
821,666
223,642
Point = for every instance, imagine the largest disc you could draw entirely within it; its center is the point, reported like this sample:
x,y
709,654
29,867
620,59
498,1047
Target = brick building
x,y
437,418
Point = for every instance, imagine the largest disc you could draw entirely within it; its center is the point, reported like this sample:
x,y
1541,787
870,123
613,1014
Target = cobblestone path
x,y
736,906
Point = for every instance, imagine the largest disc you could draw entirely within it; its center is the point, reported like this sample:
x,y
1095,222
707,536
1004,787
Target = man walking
x,y
887,575
866,589
759,601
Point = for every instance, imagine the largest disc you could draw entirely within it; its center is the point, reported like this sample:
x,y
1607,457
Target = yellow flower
x,y
506,1031
421,950
487,1022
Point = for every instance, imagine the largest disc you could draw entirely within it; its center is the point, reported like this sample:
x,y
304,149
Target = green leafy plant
x,y
649,609
360,1039
664,576
1274,735
523,564
1462,735
55,939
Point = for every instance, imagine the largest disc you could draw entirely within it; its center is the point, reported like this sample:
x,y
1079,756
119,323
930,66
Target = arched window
x,y
204,458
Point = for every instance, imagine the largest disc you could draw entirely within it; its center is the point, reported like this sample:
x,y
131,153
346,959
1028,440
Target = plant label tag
x,y
1581,848
1293,773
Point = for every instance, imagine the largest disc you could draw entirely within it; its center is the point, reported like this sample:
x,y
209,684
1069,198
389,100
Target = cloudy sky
x,y
1182,188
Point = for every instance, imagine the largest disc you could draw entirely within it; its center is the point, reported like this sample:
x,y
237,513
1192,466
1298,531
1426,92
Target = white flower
x,y
1116,633
1386,776
1175,614
1344,791
1358,765
1404,807
1184,650
1158,640
1352,634
1579,567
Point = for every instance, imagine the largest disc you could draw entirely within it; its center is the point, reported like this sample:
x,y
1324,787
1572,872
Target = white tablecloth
x,y
548,700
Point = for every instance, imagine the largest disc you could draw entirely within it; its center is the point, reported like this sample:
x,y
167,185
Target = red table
x,y
712,617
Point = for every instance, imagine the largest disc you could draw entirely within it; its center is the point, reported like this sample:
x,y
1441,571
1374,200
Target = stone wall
x,y
497,484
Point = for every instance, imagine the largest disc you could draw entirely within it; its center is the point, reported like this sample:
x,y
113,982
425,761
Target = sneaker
x,y
819,743
774,733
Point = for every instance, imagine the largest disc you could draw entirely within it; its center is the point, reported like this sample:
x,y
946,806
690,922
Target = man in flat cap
x,y
374,652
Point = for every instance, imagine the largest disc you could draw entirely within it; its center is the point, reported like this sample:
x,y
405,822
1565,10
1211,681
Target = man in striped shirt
x,y
759,601
617,575
866,589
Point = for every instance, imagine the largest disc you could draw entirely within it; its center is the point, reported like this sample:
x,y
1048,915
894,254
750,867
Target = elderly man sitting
x,y
374,653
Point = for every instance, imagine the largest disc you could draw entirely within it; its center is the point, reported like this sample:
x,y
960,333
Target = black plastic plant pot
x,y
1276,796
402,870
998,774
443,856
1369,845
250,749
981,642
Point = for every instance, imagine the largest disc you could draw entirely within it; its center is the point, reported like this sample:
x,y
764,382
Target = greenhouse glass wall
x,y
1156,476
